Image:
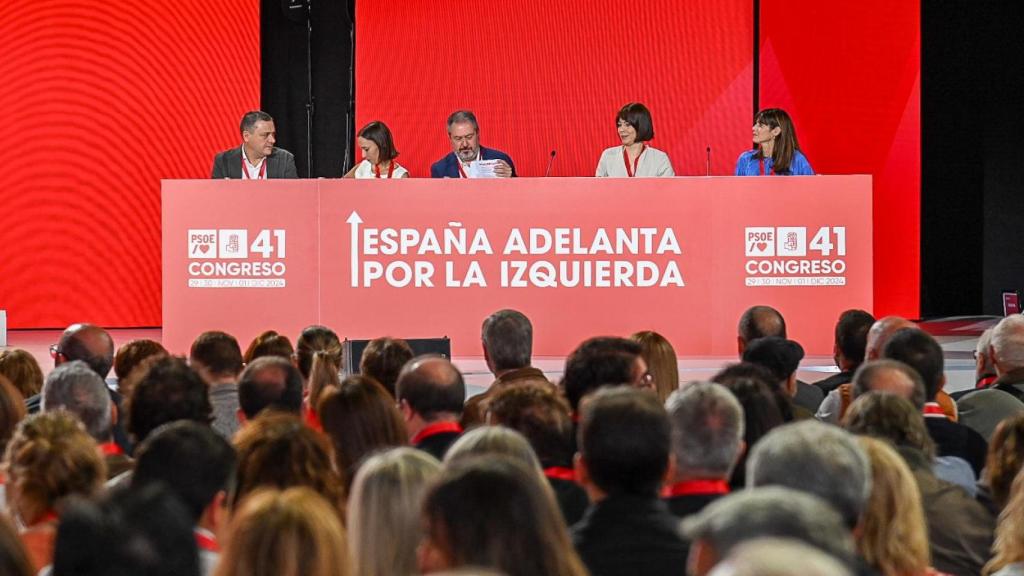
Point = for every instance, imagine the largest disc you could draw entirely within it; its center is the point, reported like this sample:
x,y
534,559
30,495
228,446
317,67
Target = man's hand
x,y
502,169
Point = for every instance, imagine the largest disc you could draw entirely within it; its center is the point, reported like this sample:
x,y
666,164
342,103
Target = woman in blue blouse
x,y
776,150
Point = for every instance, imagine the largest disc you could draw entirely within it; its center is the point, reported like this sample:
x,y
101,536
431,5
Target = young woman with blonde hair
x,y
661,362
893,537
384,511
1008,558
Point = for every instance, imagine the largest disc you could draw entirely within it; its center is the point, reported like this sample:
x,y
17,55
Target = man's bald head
x,y
759,322
890,376
432,387
880,333
88,343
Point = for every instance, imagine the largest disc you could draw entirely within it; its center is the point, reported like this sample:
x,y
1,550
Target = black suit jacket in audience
x,y
955,439
683,506
437,444
630,535
572,499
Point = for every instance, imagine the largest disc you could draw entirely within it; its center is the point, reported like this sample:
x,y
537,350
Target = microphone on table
x,y
708,168
550,162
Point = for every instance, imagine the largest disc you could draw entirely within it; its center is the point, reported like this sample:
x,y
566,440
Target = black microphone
x,y
708,169
550,162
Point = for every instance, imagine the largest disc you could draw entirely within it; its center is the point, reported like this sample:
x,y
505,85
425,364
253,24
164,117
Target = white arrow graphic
x,y
354,221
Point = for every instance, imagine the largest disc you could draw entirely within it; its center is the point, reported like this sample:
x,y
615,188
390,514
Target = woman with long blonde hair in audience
x,y
893,537
1008,557
661,361
1005,459
291,533
384,511
50,458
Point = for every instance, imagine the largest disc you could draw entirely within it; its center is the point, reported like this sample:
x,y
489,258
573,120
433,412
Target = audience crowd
x,y
272,461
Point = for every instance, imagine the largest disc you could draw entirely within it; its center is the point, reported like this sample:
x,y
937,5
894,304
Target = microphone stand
x,y
309,89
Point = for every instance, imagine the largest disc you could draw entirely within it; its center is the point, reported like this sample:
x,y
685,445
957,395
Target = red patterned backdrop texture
x,y
102,100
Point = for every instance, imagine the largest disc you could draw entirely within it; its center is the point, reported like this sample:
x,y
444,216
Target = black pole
x,y
309,89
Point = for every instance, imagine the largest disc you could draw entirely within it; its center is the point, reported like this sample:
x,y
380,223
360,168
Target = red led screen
x,y
849,73
101,100
545,76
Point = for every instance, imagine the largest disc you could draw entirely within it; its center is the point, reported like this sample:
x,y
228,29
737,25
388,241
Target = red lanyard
x,y
434,429
625,159
391,169
771,171
690,487
561,473
206,542
459,164
933,409
110,449
245,169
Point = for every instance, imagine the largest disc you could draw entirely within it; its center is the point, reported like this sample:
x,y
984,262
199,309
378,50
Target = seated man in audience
x,y
541,415
760,322
707,441
94,346
269,382
131,354
848,349
895,377
781,358
1008,355
257,158
431,393
197,465
625,444
169,391
922,353
464,136
217,357
507,338
960,530
771,512
817,459
603,361
833,408
75,387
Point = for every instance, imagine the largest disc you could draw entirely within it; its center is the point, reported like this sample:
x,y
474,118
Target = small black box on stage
x,y
352,350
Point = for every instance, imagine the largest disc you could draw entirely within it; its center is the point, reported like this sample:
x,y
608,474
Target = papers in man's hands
x,y
483,169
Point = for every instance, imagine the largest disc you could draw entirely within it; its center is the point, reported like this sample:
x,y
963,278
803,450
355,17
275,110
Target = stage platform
x,y
958,337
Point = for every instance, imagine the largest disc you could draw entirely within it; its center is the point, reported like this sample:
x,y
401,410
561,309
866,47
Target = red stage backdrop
x,y
545,76
101,100
850,75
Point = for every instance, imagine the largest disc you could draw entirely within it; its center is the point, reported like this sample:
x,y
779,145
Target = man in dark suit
x,y
431,392
256,158
624,443
464,134
761,321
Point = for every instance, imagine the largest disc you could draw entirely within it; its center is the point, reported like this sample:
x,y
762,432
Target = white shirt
x,y
653,163
365,170
252,171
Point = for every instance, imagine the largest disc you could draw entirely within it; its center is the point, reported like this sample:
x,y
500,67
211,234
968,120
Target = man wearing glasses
x,y
468,159
94,346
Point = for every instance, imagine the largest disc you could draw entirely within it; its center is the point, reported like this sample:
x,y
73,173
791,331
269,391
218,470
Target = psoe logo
x,y
225,258
783,256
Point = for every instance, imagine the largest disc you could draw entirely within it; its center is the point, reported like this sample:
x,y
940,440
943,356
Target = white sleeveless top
x,y
365,170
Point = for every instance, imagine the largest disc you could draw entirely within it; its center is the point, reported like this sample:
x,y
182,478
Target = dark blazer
x,y
228,164
627,535
448,167
690,504
955,439
437,444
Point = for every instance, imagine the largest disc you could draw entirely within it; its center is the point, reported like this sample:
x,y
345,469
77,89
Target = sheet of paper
x,y
483,168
